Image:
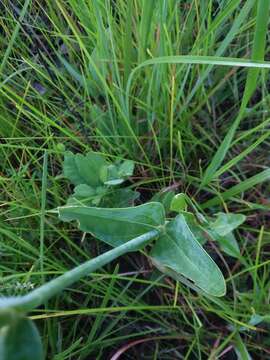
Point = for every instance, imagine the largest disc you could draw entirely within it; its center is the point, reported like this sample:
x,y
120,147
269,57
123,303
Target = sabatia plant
x,y
104,209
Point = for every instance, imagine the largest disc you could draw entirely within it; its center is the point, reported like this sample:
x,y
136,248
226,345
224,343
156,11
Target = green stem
x,y
40,295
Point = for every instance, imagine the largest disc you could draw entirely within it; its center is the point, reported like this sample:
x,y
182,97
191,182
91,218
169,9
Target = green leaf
x,y
93,170
115,226
221,230
84,191
118,173
179,203
87,195
126,169
179,251
86,169
20,340
227,243
226,223
197,230
120,198
113,177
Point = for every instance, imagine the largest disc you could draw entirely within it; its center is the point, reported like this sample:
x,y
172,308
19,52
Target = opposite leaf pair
x,y
176,248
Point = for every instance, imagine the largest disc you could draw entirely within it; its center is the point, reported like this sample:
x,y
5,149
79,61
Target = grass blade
x,y
14,36
192,59
238,189
251,83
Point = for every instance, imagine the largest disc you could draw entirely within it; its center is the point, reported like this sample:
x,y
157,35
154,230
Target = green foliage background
x,y
196,127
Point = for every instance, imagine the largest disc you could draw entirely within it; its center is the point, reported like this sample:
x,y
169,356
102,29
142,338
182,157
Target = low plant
x,y
103,208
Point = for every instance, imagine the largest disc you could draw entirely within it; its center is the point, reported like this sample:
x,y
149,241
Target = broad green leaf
x,y
226,223
89,167
179,203
178,250
115,226
20,340
86,169
193,59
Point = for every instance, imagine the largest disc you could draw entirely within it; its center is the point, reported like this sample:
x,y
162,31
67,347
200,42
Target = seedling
x,y
101,207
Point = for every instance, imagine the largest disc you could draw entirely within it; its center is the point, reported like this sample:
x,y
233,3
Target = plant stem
x,y
40,295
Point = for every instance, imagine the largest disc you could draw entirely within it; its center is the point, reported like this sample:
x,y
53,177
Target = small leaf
x,y
225,223
70,169
117,174
20,340
114,182
115,226
93,170
81,169
126,168
87,195
179,251
112,177
179,203
227,243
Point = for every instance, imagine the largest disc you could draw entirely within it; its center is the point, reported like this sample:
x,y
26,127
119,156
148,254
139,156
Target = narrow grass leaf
x,y
251,84
14,36
238,189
